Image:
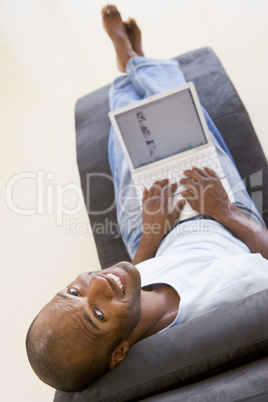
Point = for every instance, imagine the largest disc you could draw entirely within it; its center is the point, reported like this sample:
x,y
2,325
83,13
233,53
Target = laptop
x,y
163,135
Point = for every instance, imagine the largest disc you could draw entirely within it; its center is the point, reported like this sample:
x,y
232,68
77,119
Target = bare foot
x,y
134,35
115,28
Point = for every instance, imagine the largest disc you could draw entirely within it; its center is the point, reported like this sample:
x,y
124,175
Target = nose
x,y
100,287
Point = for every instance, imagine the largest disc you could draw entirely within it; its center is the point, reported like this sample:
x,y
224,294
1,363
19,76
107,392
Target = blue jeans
x,y
145,77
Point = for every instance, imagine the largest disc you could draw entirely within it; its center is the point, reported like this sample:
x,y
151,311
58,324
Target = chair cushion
x,y
185,353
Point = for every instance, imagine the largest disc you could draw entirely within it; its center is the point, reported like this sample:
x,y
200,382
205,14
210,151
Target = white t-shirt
x,y
207,266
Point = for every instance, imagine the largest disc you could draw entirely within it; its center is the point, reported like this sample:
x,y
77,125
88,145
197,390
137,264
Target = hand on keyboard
x,y
158,219
206,193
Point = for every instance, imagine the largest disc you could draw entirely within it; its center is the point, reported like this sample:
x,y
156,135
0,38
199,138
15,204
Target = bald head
x,y
61,362
85,328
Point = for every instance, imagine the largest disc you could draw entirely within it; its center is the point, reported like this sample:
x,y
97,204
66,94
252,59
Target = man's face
x,y
98,307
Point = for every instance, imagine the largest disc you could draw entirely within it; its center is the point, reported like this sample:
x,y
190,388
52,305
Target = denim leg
x,y
128,209
150,76
159,76
217,135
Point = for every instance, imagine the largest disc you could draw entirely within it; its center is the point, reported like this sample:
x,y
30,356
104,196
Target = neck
x,y
159,307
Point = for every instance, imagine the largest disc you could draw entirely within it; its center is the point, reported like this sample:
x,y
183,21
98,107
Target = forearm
x,y
147,248
245,229
207,196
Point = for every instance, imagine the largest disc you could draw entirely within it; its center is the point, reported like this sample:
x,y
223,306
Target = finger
x,y
193,174
165,198
177,210
164,186
144,195
187,194
169,190
210,172
190,194
179,206
174,187
166,195
158,186
202,172
190,197
155,188
164,182
189,182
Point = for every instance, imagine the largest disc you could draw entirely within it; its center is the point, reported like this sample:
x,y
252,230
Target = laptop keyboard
x,y
175,172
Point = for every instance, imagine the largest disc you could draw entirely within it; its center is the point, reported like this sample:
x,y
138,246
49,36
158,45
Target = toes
x,y
109,10
126,25
112,10
133,23
105,10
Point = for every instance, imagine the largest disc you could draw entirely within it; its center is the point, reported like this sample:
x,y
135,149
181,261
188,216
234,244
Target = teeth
x,y
117,280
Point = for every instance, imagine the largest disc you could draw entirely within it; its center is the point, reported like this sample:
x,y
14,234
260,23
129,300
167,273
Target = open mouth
x,y
117,281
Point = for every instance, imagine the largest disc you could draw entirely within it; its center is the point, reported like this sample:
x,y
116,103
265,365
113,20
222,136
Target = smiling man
x,y
90,325
179,271
85,327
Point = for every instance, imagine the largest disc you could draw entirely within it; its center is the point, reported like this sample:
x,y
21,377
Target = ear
x,y
119,354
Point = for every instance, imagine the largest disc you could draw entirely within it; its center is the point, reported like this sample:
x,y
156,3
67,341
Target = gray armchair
x,y
221,356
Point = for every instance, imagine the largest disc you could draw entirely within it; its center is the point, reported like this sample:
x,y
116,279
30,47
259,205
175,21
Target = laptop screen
x,y
161,128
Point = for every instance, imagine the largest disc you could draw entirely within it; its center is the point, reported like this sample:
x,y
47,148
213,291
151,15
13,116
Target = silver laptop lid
x,y
161,126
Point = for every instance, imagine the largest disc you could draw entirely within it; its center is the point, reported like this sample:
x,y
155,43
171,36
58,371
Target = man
x,y
183,270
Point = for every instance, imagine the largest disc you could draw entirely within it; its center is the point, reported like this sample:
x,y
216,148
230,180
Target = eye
x,y
73,292
99,314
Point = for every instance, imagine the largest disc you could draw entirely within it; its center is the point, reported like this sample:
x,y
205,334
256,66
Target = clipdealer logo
x,y
50,197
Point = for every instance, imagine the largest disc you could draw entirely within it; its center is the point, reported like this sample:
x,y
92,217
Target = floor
x,y
53,52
